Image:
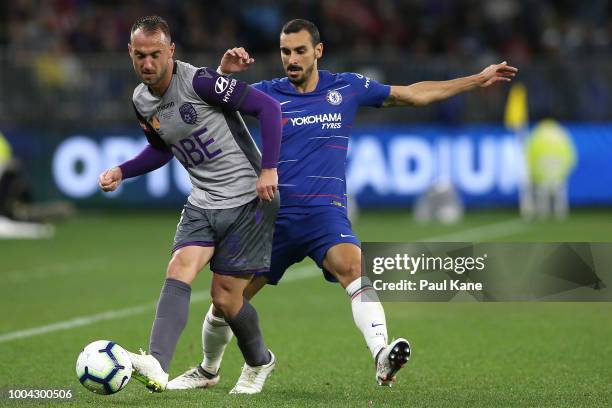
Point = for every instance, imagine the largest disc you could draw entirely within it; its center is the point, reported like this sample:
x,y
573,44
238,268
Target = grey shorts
x,y
242,236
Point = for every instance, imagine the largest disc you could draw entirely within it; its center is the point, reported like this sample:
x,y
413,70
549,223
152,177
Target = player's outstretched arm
x,y
235,60
147,160
426,92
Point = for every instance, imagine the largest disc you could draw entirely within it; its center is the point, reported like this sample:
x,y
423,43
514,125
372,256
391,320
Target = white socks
x,y
216,334
368,314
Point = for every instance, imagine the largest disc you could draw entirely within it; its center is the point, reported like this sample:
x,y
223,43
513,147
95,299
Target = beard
x,y
154,77
150,79
299,80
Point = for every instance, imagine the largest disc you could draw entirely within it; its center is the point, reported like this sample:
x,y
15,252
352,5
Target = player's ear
x,y
172,47
318,50
130,49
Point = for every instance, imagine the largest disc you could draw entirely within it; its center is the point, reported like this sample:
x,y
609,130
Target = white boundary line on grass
x,y
473,234
499,229
299,273
53,270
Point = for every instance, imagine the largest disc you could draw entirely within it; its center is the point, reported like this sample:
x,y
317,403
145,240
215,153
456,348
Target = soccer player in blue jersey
x,y
318,109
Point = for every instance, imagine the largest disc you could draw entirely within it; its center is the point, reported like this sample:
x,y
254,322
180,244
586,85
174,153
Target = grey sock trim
x,y
176,286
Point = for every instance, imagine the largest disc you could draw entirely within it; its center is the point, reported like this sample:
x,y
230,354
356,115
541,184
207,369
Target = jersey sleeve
x,y
147,160
369,92
218,90
152,136
261,86
268,111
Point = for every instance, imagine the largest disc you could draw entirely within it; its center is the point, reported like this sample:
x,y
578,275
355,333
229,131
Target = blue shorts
x,y
302,232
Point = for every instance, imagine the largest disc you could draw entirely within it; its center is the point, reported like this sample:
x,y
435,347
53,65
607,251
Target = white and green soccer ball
x,y
104,367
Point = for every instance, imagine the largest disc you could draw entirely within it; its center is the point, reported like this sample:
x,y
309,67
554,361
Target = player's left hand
x,y
267,184
110,179
496,72
235,60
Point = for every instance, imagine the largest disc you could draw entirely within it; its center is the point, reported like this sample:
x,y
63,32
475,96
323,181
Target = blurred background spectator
x,y
66,83
71,54
518,28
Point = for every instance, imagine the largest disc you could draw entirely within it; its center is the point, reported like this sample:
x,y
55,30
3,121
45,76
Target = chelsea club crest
x,y
334,97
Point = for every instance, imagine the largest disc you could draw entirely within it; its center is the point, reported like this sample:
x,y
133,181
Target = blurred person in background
x,y
319,108
19,216
16,196
365,34
551,157
191,113
13,184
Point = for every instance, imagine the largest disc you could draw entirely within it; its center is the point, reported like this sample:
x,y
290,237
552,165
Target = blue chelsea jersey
x,y
316,131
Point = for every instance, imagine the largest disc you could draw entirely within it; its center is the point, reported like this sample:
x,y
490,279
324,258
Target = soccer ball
x,y
104,367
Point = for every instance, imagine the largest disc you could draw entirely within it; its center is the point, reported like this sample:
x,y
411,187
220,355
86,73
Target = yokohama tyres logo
x,y
313,119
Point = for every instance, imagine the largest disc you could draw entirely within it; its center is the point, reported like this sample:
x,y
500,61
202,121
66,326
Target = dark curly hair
x,y
297,25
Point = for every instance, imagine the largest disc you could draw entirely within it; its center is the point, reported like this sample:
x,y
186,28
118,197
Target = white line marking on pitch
x,y
302,272
53,270
497,230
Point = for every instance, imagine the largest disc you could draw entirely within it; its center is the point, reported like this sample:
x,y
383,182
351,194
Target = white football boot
x,y
389,361
196,377
252,379
148,371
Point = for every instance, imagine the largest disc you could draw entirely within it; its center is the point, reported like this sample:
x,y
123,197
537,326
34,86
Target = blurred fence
x,y
67,89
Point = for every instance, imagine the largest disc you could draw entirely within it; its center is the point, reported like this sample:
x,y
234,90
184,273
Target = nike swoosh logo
x,y
379,324
345,236
282,103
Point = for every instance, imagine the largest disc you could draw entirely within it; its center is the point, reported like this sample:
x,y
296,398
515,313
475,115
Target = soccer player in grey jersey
x,y
191,113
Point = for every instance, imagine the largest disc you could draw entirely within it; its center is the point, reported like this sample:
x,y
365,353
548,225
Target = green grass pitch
x,y
108,268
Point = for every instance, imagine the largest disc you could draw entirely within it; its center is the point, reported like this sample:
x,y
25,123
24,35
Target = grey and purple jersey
x,y
197,121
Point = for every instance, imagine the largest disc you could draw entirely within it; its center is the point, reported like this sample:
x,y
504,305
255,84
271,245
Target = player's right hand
x,y
267,184
496,72
235,60
110,179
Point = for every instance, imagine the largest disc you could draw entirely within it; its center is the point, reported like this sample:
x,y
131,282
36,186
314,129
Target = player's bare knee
x,y
225,302
220,303
181,268
347,272
216,312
